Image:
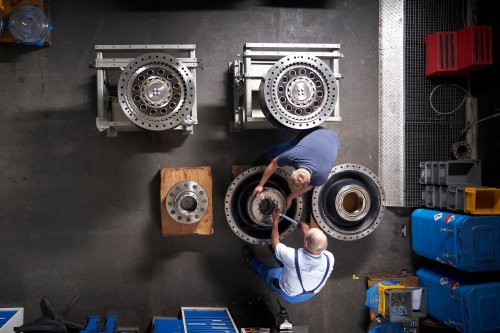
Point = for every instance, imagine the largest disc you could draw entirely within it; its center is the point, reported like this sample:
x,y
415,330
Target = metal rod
x,y
289,219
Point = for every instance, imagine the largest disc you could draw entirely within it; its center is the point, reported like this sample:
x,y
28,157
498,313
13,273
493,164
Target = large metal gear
x,y
157,91
351,203
28,24
187,202
250,217
299,92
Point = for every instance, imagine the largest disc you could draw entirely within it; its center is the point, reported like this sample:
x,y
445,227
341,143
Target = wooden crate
x,y
172,176
237,169
9,6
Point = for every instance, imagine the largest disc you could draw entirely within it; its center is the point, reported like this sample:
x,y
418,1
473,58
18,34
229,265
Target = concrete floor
x,y
79,212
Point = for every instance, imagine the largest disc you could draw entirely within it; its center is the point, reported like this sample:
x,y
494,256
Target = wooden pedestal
x,y
172,176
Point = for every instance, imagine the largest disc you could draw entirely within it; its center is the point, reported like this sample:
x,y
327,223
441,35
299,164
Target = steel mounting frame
x,y
249,69
110,117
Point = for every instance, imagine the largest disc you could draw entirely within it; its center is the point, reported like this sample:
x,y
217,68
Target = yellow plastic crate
x,y
381,296
482,201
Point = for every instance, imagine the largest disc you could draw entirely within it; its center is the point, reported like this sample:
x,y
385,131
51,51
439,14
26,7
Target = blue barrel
x,y
461,300
469,243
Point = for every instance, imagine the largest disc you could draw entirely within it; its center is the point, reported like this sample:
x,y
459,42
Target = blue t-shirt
x,y
316,152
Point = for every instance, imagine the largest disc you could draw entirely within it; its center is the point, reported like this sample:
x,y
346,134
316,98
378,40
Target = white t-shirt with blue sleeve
x,y
312,269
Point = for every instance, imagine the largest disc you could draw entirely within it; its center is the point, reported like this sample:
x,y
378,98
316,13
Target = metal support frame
x,y
250,69
110,117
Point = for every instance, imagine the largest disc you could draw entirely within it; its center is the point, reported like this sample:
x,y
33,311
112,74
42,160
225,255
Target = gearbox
x,y
155,90
292,86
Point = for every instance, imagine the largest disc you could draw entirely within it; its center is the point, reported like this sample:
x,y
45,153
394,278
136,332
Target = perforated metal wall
x,y
391,100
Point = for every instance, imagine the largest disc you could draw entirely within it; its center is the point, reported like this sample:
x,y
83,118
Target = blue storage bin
x,y
469,243
461,300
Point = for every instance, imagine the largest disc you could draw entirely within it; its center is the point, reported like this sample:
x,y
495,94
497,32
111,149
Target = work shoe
x,y
247,253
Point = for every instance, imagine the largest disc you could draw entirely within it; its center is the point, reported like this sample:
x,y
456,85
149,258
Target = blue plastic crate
x,y
461,300
469,243
203,320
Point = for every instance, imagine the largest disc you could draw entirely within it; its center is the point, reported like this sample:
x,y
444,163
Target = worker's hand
x,y
276,215
257,190
304,227
289,200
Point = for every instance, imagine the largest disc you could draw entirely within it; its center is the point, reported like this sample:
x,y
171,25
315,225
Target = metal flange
x,y
187,202
157,91
28,24
249,217
351,203
461,150
300,92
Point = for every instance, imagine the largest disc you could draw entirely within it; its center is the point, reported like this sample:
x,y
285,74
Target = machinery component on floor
x,y
50,321
156,91
299,92
351,203
187,202
153,90
29,25
250,217
461,150
296,84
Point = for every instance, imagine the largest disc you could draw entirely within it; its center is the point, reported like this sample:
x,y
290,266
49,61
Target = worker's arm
x,y
294,195
275,234
271,168
304,228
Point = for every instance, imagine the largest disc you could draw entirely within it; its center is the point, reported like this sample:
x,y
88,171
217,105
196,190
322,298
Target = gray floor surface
x,y
79,212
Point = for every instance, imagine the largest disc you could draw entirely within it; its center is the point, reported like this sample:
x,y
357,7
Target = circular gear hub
x,y
156,91
461,150
187,202
28,24
351,203
250,217
260,208
299,92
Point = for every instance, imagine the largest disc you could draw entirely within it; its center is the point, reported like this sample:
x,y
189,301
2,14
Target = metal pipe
x,y
289,219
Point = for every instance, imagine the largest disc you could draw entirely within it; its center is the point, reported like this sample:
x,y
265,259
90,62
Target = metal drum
x,y
157,92
28,24
187,202
299,92
351,203
250,217
1,26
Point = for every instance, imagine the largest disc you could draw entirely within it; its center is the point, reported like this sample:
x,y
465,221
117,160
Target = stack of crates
x,y
456,295
456,186
466,245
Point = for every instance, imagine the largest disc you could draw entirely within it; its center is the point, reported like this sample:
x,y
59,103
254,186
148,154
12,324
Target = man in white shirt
x,y
304,271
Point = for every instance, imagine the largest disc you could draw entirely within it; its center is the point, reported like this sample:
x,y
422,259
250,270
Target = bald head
x,y
316,240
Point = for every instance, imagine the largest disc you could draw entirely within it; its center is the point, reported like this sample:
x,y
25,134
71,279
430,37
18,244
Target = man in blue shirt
x,y
304,271
312,153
